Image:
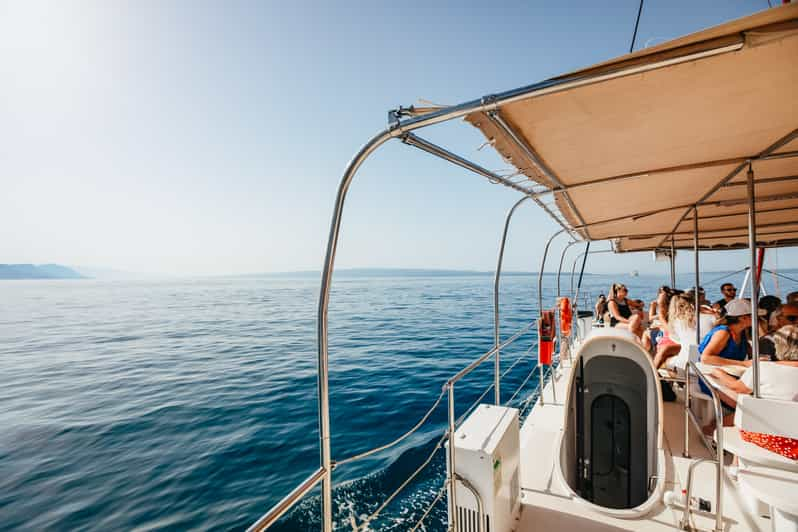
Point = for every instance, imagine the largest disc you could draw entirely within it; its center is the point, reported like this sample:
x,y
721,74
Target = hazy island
x,y
40,271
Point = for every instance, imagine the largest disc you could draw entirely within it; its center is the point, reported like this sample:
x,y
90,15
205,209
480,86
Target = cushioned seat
x,y
753,454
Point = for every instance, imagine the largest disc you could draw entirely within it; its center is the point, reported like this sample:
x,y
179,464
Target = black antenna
x,y
637,23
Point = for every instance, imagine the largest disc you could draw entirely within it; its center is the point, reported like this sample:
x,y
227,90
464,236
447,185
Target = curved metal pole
x,y
543,265
540,302
496,370
324,301
562,258
573,265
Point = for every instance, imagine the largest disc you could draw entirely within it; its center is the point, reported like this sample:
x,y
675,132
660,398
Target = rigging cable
x,y
637,23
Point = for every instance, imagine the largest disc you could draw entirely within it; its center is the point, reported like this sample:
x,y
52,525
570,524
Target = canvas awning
x,y
629,146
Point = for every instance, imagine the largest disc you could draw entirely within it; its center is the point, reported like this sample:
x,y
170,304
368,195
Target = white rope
x,y
387,501
430,507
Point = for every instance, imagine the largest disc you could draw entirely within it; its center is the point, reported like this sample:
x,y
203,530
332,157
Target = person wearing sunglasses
x,y
624,313
787,314
728,291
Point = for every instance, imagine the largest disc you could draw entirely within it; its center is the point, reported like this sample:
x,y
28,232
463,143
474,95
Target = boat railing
x,y
279,509
689,417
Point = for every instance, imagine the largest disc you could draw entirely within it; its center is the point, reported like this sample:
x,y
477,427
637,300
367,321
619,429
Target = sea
x,y
191,404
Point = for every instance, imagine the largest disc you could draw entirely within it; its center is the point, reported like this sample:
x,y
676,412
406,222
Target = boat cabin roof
x,y
631,149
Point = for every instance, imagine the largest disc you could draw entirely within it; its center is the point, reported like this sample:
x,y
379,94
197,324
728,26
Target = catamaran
x,y
688,145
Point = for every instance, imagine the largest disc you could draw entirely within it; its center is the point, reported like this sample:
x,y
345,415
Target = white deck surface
x,y
546,505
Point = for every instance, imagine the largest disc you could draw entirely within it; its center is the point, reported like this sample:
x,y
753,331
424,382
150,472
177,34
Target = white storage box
x,y
486,455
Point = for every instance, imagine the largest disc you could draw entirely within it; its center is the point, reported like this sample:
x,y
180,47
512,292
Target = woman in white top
x,y
681,328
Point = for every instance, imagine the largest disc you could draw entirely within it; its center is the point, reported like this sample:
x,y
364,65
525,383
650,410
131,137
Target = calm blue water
x,y
192,404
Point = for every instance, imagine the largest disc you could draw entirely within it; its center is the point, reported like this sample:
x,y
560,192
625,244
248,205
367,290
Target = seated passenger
x,y
786,314
658,336
786,341
777,380
769,304
682,329
728,291
601,308
725,343
621,310
792,298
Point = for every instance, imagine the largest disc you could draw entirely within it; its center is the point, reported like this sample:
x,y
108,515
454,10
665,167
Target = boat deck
x,y
547,506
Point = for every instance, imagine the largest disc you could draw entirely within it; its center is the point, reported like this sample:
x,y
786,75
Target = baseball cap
x,y
741,307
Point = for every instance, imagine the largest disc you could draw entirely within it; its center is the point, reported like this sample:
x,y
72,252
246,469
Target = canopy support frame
x,y
783,141
540,305
438,151
536,159
497,277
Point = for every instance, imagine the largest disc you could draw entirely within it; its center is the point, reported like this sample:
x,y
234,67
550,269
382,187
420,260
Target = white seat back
x,y
768,416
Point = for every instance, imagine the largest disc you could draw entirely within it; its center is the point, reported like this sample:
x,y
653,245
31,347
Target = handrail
x,y
429,508
718,431
480,505
302,489
472,366
270,517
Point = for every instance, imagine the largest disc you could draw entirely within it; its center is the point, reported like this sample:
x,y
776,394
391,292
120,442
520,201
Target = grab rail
x,y
452,420
277,511
718,452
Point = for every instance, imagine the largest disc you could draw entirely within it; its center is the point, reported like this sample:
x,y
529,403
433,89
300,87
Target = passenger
x,y
787,314
658,318
769,304
621,310
792,298
786,342
728,291
777,380
783,315
601,308
680,326
725,344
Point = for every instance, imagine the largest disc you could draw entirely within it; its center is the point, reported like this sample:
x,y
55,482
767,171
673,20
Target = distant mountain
x,y
42,271
386,272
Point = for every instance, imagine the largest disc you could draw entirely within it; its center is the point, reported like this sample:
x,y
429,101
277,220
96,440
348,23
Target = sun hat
x,y
741,307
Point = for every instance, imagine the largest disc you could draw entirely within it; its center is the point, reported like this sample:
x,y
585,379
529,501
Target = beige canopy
x,y
629,147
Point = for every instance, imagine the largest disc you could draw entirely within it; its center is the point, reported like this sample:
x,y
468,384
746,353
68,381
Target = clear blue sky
x,y
209,138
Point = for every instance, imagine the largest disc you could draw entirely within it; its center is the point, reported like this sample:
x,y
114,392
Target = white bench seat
x,y
776,488
753,454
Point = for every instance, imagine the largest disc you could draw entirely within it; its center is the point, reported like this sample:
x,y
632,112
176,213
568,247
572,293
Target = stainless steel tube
x,y
540,300
686,451
287,502
719,448
452,471
543,265
697,279
480,506
581,256
581,274
324,301
719,457
496,363
559,269
754,279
